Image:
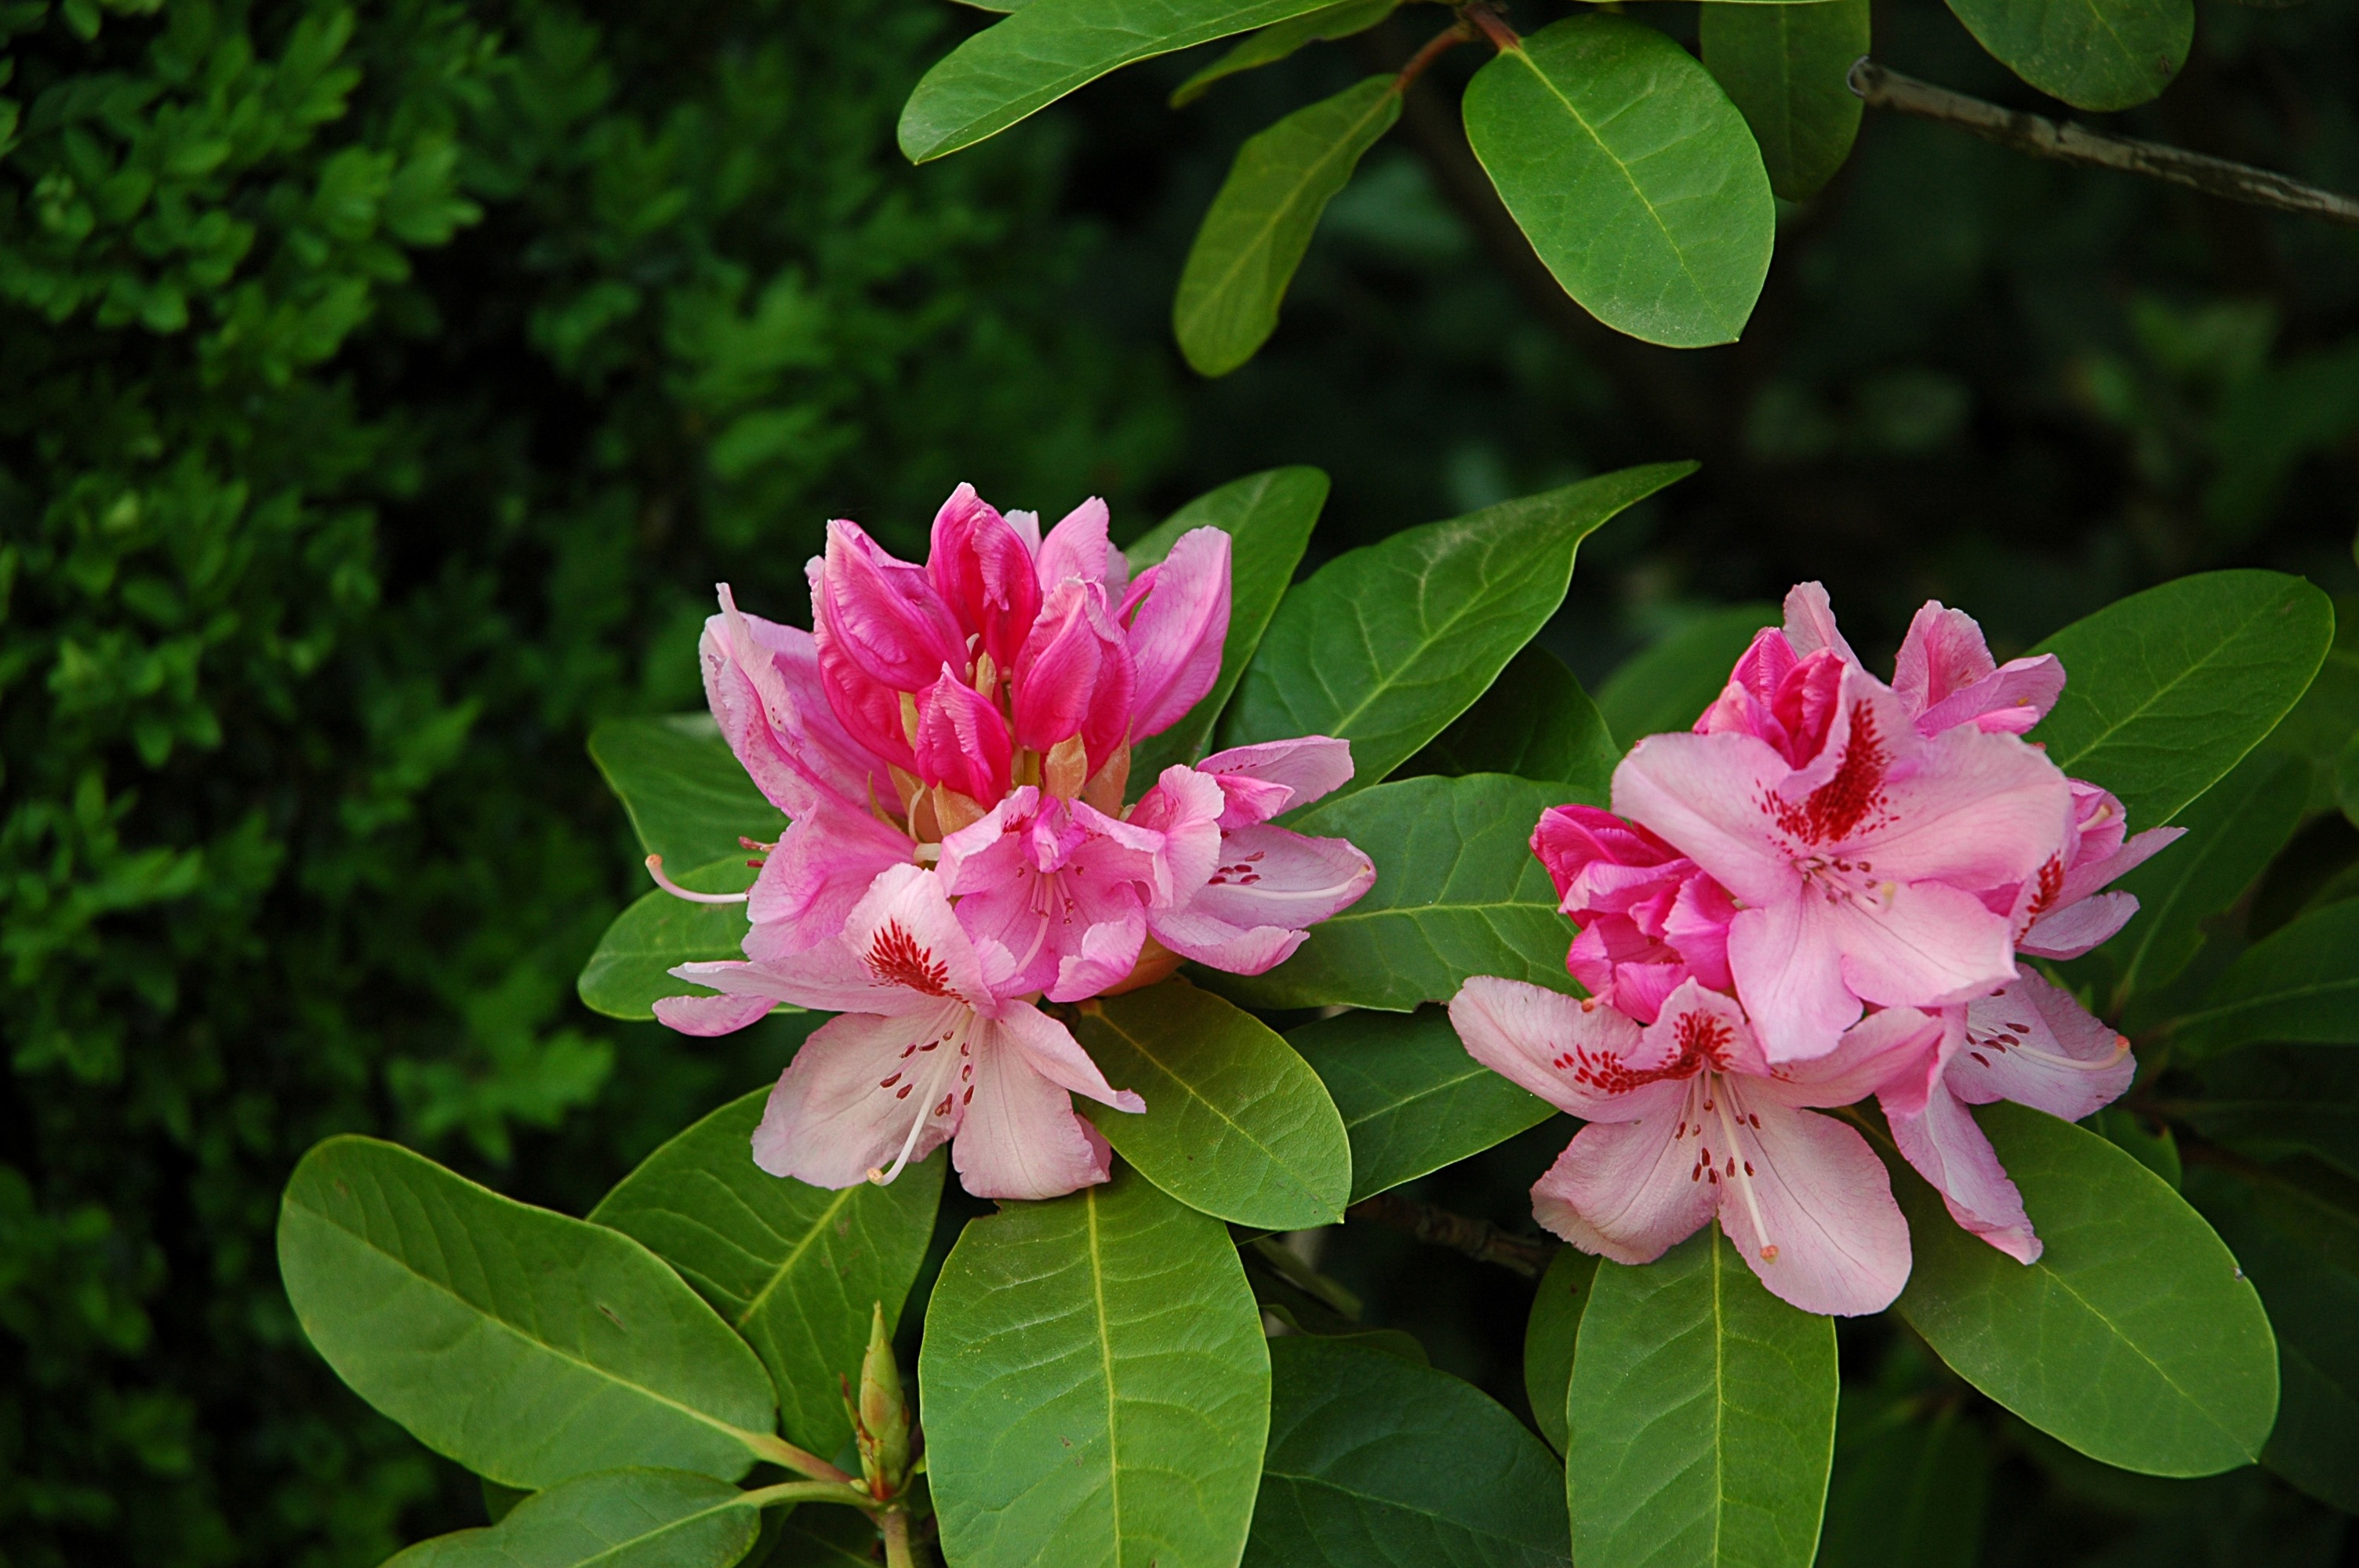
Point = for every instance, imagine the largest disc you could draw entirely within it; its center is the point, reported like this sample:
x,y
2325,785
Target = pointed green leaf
x,y
1668,687
1535,722
1095,1385
1050,47
1375,1462
1268,518
1702,1417
2094,54
2134,1339
630,971
1458,893
529,1347
1385,645
1260,223
794,1269
1411,1099
1910,1485
688,798
1273,44
2270,1100
2298,984
615,1518
1236,1124
2324,723
1548,1337
1633,175
2166,690
1786,69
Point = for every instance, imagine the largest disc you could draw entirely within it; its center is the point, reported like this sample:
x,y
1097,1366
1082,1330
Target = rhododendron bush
x,y
1171,909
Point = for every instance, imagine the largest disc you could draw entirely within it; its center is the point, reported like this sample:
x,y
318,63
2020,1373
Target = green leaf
x,y
2300,983
1274,44
1308,1302
2135,1338
630,971
2168,689
1535,722
824,1538
1260,223
1910,1485
2302,1254
1095,1385
1700,1418
1268,518
1668,687
2233,834
1411,1099
1458,893
1385,645
687,797
1633,175
2268,1101
2324,723
1375,1462
794,1269
2094,54
1550,1333
529,1347
1787,69
1050,48
2346,781
615,1518
1236,1124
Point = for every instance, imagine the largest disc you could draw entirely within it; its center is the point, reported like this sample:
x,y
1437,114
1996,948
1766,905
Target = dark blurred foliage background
x,y
381,393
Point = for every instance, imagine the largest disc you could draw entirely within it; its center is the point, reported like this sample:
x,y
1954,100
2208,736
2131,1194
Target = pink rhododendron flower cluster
x,y
951,744
1819,894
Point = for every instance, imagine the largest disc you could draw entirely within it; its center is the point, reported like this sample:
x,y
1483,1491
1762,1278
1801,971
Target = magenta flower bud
x,y
884,615
1074,675
962,741
1175,635
864,705
984,570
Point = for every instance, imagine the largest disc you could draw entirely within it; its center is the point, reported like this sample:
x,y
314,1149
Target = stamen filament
x,y
2121,1049
655,870
1743,1172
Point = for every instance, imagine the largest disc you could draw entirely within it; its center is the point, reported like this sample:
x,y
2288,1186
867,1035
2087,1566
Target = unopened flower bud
x,y
882,1418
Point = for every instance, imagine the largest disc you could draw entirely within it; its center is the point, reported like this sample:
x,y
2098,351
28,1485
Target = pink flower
x,y
930,1049
1649,918
1689,1121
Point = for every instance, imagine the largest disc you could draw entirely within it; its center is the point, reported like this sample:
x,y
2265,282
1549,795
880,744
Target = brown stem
x,y
1494,26
2069,143
1441,43
1477,1238
785,1456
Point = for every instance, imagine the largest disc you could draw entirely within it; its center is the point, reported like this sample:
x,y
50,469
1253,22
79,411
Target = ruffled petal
x,y
2036,1044
1625,1190
1307,767
1951,1152
1809,1204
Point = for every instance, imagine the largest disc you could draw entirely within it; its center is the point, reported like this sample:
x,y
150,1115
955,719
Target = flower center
x,y
1841,807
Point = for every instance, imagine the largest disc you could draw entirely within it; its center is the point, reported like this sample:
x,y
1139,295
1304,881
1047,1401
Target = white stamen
x,y
885,1178
2120,1048
926,1105
1743,1176
655,870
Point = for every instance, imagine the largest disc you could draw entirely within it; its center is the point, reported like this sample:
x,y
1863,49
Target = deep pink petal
x,y
2036,1044
962,741
1540,1039
1077,547
2009,702
1625,1190
1949,1151
1813,1216
1057,670
983,569
849,1100
1788,966
1943,652
1021,1138
1175,636
883,613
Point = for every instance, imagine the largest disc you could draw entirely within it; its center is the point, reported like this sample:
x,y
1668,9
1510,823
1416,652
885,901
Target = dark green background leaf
x,y
1549,1334
2094,54
1786,69
1911,1481
1535,722
630,971
688,798
2300,983
2270,1100
1668,687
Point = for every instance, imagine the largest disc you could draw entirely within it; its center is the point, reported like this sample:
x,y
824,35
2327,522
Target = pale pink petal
x,y
1705,794
1271,876
1077,547
1238,949
1879,1049
822,867
1976,811
901,951
1810,622
2036,1044
1787,967
849,1100
1543,1041
1186,807
1808,1203
1309,766
1057,1056
2008,702
1918,945
2076,928
1027,528
1021,1138
1699,1028
1103,957
709,1015
1626,1190
1949,1151
1175,636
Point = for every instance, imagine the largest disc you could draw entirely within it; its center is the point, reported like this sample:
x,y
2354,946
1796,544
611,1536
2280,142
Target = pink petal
x,y
1057,1056
1813,1216
1070,648
1743,707
1540,1039
1175,638
983,569
1077,547
2008,702
762,681
1918,945
1238,949
1949,1151
1789,969
848,1102
1272,876
902,951
822,867
2077,927
1703,793
1625,1190
1943,652
883,613
1102,957
1977,811
1875,1052
1307,767
1810,622
1186,807
962,741
2088,875
1021,1138
2036,1044
705,1016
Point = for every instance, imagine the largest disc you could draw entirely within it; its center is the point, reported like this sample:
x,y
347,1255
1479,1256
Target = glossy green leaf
x,y
1236,1124
2300,983
2094,54
1260,222
1458,893
688,798
1549,1334
2324,725
1050,47
1411,1099
794,1269
1268,518
824,1538
2232,833
1668,687
2272,1100
1910,1485
1634,178
1095,1385
1377,1462
1535,722
630,971
1273,44
2135,1338
1702,1417
2168,689
1786,69
2301,1252
529,1347
1385,645
615,1518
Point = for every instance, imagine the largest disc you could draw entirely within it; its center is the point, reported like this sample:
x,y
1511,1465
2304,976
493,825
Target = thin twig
x,y
2069,143
1477,1238
1462,31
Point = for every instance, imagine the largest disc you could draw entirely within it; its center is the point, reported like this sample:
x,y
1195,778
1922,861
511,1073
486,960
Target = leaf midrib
x,y
786,1265
618,1548
1106,1362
